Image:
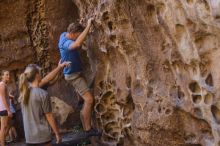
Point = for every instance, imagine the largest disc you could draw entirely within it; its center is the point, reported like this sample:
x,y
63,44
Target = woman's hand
x,y
64,64
89,23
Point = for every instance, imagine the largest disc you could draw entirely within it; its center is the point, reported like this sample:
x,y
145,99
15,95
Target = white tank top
x,y
2,107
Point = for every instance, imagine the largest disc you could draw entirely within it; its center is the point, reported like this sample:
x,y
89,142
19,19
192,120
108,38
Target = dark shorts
x,y
38,144
3,113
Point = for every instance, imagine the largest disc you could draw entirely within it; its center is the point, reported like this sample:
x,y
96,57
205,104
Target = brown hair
x,y
28,76
75,27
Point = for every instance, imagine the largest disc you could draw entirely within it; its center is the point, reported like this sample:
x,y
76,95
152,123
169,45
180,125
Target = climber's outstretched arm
x,y
82,36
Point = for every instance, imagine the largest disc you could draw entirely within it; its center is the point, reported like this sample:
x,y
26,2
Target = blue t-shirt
x,y
68,54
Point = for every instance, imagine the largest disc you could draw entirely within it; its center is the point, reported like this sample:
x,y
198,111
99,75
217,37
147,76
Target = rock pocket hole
x,y
208,98
128,81
129,107
100,108
194,87
167,111
209,80
189,1
101,84
217,17
159,109
190,138
111,127
216,113
150,9
107,95
180,94
110,115
110,25
112,38
198,112
105,16
196,99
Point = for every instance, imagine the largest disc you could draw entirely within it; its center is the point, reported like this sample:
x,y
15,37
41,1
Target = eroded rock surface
x,y
60,109
157,70
155,64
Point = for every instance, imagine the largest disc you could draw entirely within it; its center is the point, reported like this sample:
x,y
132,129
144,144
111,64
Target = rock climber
x,y
69,44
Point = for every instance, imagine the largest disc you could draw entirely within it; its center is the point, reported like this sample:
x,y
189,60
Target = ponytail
x,y
25,78
24,89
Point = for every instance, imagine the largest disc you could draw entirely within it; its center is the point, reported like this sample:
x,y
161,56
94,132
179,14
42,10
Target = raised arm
x,y
49,77
82,36
3,96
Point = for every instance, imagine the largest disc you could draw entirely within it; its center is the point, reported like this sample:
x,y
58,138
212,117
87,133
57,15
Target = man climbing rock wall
x,y
155,63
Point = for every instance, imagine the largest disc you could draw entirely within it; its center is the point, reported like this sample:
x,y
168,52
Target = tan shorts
x,y
78,82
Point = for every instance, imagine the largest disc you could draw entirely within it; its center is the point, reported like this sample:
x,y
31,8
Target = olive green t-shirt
x,y
36,127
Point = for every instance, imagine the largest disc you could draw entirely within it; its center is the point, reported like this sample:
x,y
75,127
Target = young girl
x,y
36,106
5,112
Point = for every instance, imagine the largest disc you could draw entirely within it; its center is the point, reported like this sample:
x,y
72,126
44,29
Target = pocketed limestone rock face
x,y
155,64
157,70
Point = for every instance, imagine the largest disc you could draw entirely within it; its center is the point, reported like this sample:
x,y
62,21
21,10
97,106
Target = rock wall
x,y
29,34
154,64
157,70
